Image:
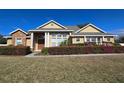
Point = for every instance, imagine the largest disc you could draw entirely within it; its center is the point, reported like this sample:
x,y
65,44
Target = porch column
x,y
84,38
32,40
48,38
45,39
90,39
102,39
97,40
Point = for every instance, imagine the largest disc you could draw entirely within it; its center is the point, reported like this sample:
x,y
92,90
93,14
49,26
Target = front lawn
x,y
62,69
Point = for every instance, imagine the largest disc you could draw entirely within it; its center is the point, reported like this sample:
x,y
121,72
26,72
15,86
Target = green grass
x,y
65,69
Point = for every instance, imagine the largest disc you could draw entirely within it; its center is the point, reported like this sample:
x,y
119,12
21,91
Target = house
x,y
52,34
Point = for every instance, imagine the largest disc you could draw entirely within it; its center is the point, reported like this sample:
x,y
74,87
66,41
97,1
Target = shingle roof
x,y
72,28
76,28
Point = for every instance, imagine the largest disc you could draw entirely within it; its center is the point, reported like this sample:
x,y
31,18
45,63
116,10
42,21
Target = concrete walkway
x,y
31,54
78,55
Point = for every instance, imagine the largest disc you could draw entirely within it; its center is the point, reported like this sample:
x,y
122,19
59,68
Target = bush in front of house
x,y
68,50
90,44
45,51
64,43
14,50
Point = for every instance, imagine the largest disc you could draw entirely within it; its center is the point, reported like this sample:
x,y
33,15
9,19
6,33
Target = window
x,y
53,36
64,35
88,39
59,36
58,43
53,44
18,41
108,38
77,39
93,39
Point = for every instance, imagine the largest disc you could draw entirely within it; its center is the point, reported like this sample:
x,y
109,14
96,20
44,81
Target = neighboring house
x,y
52,34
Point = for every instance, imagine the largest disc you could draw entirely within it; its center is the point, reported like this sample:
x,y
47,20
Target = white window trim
x,y
62,38
16,40
78,40
108,38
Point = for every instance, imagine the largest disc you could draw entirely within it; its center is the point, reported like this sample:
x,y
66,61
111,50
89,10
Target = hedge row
x,y
82,50
14,50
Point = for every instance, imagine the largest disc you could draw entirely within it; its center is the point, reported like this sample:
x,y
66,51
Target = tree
x,y
121,39
82,25
2,40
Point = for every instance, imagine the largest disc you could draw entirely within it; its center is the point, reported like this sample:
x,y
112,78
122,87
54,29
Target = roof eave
x,y
49,22
11,36
50,30
91,25
7,36
17,30
93,35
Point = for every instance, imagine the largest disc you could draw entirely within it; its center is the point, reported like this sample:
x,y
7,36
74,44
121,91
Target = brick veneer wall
x,y
19,34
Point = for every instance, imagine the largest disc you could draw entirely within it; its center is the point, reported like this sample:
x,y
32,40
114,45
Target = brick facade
x,y
19,34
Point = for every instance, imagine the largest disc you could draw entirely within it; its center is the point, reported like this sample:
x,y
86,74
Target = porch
x,y
39,40
98,40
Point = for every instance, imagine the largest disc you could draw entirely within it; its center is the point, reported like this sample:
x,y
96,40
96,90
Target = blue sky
x,y
111,21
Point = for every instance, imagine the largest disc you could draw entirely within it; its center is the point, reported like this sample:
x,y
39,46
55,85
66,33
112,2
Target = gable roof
x,y
89,24
18,29
69,29
50,22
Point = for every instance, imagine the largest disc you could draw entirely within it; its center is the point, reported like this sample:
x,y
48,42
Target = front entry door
x,y
40,43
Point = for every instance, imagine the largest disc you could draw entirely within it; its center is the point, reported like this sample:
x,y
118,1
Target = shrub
x,y
64,43
85,44
116,44
45,51
119,49
90,44
2,39
107,49
68,50
14,50
97,49
80,44
10,45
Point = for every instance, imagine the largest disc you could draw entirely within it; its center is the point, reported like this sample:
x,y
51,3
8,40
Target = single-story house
x,y
53,33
